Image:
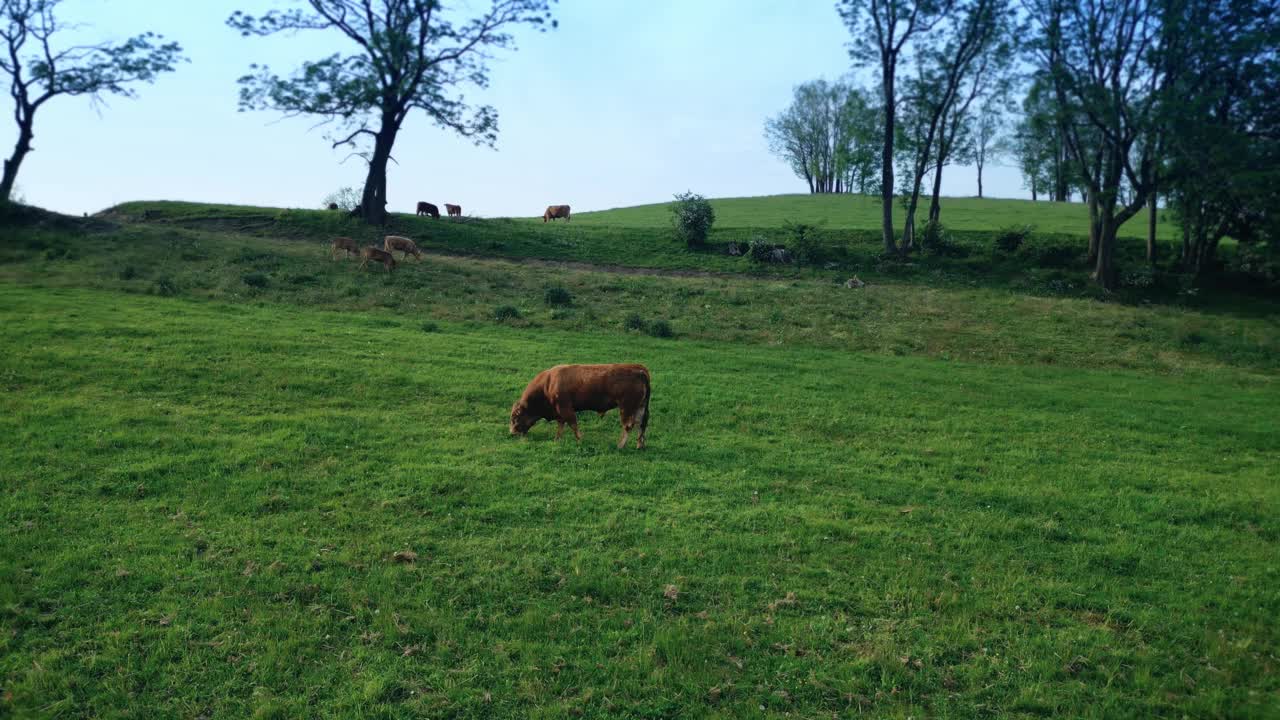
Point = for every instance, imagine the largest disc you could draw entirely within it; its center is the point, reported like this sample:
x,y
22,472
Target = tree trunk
x,y
1151,226
1095,227
887,67
1105,271
979,177
373,202
20,150
935,208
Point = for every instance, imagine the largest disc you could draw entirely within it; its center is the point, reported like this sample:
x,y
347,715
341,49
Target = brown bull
x,y
556,211
426,208
563,391
453,210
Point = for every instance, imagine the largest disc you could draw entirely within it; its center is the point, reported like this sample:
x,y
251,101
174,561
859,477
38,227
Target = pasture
x,y
243,479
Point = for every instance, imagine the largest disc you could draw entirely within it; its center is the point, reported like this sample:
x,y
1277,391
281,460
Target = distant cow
x,y
453,210
370,252
344,243
564,390
426,208
403,244
556,211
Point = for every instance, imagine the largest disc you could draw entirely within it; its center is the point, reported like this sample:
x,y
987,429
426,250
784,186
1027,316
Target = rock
x,y
854,283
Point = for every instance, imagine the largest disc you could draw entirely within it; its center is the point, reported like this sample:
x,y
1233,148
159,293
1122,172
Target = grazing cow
x,y
372,252
344,243
426,208
562,391
453,210
403,244
556,211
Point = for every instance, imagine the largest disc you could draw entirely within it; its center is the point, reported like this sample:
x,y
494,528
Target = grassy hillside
x,y
860,212
930,497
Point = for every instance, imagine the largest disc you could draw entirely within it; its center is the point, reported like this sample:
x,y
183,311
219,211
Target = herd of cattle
x,y
553,212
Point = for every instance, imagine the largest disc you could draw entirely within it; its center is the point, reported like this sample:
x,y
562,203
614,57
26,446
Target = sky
x,y
627,102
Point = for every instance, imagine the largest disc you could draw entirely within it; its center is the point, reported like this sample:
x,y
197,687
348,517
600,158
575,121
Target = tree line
x,y
1122,102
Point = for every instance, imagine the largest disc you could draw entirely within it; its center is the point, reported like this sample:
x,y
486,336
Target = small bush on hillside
x,y
255,280
430,327
1058,256
557,296
759,249
661,329
804,244
692,218
164,286
503,313
936,241
1009,239
347,198
633,322
129,272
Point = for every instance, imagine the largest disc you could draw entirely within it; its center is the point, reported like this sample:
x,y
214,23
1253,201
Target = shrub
x,y
935,240
347,198
129,272
758,249
634,322
1009,239
692,218
661,329
557,296
503,313
804,244
164,286
430,327
255,280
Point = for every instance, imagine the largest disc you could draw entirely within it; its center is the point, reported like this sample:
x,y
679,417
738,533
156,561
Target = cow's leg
x,y
559,428
363,262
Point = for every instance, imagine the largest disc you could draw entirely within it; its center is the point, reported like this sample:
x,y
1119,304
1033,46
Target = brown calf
x,y
562,391
556,211
344,243
426,208
453,210
371,252
403,244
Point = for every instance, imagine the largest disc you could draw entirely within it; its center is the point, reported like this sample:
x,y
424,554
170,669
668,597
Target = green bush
x,y
692,218
503,313
164,286
661,329
1010,238
430,327
804,245
129,272
634,322
255,280
557,296
936,241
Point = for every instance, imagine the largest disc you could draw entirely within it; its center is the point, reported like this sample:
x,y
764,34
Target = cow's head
x,y
522,419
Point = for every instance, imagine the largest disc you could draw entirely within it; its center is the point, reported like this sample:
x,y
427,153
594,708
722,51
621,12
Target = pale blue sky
x,y
628,102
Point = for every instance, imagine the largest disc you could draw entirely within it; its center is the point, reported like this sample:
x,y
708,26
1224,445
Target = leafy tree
x,y
947,79
989,140
827,135
1221,112
39,70
409,55
1098,57
882,31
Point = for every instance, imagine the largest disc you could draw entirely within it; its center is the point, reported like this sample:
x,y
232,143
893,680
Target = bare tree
x,y
410,55
39,71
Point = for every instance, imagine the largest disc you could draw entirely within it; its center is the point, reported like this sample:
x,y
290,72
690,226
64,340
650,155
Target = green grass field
x,y
946,494
861,212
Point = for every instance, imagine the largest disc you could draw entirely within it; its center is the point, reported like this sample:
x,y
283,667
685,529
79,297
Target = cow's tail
x,y
644,419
